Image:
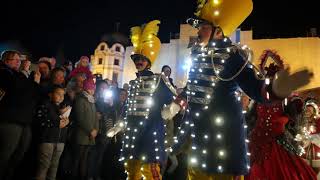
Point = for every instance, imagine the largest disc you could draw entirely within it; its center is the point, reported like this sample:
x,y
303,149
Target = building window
x,y
118,49
102,48
100,61
116,62
115,77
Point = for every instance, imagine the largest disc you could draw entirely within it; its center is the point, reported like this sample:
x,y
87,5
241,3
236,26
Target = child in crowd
x,y
52,134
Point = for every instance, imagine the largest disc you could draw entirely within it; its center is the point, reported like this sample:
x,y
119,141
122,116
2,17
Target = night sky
x,y
72,28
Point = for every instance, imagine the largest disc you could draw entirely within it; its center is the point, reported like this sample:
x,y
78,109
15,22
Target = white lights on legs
x,y
219,121
221,153
194,160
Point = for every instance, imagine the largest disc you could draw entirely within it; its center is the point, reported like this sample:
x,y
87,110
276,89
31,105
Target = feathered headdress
x,y
227,14
145,42
273,67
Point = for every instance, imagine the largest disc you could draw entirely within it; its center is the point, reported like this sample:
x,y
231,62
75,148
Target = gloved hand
x,y
119,126
168,112
284,83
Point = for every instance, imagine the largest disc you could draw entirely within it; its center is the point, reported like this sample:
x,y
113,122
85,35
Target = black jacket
x,y
47,117
18,103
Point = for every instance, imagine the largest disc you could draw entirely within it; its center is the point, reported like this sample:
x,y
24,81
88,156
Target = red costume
x,y
269,160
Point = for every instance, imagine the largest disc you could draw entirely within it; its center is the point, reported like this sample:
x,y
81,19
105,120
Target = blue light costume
x,y
214,116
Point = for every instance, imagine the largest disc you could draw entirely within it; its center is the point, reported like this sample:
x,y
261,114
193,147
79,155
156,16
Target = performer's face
x,y
205,32
141,64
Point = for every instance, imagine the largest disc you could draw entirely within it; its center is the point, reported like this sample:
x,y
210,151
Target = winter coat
x,y
19,97
85,120
47,117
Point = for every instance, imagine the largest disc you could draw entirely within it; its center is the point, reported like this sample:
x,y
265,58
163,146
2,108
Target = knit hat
x,y
45,62
89,84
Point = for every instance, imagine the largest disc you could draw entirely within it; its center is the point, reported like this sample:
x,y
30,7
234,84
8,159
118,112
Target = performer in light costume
x,y
143,150
214,115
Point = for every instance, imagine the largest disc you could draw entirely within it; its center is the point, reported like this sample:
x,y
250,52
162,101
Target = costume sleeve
x,y
247,79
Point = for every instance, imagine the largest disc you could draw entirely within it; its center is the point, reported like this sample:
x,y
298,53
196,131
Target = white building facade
x,y
115,63
109,61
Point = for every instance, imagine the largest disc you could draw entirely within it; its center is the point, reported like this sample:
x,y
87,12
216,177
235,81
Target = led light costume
x,y
214,112
143,148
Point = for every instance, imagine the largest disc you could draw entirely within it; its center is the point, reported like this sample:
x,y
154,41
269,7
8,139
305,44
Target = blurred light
x,y
108,94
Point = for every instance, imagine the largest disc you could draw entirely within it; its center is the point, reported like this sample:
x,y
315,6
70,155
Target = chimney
x,y
313,32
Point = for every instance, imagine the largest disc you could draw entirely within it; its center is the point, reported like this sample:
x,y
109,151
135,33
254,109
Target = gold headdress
x,y
227,14
145,42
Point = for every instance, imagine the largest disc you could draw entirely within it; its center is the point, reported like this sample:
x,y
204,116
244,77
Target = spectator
x,y
68,68
25,67
115,170
57,76
17,102
82,67
107,116
86,128
44,69
126,86
53,62
52,134
167,72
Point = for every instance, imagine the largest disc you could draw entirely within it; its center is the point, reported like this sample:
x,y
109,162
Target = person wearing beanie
x,y
85,129
82,67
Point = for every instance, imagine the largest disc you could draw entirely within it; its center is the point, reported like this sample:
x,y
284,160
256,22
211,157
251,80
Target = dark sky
x,y
75,27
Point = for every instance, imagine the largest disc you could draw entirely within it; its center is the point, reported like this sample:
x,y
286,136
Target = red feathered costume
x,y
269,160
